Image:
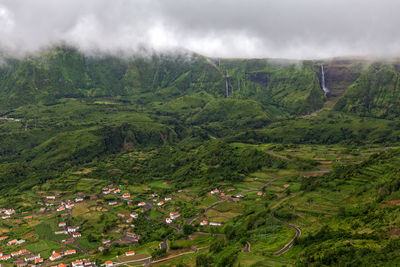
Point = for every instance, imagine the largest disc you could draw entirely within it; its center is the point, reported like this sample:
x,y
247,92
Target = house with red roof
x,y
174,215
5,257
130,253
76,235
38,261
70,252
55,256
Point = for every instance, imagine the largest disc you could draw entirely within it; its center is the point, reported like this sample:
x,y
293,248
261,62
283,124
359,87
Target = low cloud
x,y
245,28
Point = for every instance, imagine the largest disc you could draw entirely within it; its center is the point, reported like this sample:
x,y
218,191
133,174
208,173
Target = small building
x,y
215,224
76,235
32,258
126,195
112,203
78,199
3,238
5,257
141,204
9,212
215,191
259,193
174,215
109,263
28,217
69,205
55,256
51,197
105,241
63,232
160,203
168,220
61,209
62,224
77,263
20,263
130,253
202,223
70,252
133,235
134,215
168,198
72,229
38,261
14,254
12,242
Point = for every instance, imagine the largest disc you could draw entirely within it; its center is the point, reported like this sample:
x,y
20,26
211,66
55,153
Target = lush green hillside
x,y
375,93
261,131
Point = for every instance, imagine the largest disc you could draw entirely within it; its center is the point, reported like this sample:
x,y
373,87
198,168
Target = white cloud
x,y
223,28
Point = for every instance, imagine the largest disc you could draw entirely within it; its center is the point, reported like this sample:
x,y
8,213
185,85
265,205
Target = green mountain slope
x,y
375,93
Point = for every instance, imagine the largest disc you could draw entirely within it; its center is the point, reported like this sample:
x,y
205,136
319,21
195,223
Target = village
x,y
158,207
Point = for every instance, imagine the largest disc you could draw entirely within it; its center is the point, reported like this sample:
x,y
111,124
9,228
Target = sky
x,y
295,29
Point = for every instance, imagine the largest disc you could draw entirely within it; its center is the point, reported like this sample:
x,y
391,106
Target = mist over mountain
x,y
199,133
306,29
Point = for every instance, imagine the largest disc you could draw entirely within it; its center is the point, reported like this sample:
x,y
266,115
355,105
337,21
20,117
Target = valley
x,y
113,219
184,160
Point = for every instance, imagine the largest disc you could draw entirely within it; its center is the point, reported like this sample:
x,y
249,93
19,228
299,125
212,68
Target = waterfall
x,y
326,90
226,87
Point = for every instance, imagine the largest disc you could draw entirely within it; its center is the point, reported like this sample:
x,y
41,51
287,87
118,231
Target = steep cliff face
x,y
375,93
339,75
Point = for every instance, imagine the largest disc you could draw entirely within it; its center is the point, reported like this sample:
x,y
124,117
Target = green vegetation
x,y
169,129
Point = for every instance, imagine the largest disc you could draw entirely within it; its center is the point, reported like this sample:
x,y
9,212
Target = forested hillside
x,y
286,172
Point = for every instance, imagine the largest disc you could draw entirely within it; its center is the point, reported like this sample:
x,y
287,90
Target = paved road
x,y
290,244
144,261
71,234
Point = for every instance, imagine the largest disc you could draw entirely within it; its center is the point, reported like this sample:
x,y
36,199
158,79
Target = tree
x,y
204,260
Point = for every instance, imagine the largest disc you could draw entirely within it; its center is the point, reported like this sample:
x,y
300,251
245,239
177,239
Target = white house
x,y
70,252
215,191
72,229
32,258
130,253
76,235
55,256
174,215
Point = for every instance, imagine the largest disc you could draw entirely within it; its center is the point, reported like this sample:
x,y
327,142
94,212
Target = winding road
x,y
290,244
